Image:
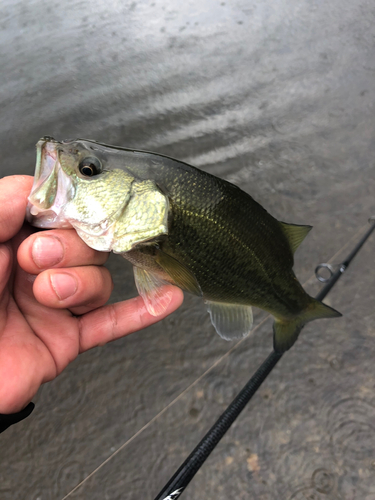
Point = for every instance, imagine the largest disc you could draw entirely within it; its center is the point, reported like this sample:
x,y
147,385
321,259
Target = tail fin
x,y
285,332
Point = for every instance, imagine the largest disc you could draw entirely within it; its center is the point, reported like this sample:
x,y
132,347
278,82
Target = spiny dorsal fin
x,y
295,234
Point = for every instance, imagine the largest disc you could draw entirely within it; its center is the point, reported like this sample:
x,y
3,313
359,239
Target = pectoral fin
x,y
179,273
149,288
231,321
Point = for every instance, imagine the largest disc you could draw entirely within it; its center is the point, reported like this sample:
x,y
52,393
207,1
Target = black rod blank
x,y
345,264
182,477
195,460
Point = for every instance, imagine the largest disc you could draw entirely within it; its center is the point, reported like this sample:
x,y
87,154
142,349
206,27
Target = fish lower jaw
x,y
45,219
94,237
106,239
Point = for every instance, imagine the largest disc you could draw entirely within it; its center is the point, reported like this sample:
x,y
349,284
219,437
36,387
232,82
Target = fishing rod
x,y
185,473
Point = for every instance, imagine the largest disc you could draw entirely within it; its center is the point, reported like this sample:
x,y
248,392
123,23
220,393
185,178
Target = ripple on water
x,y
351,427
68,475
321,486
65,394
194,319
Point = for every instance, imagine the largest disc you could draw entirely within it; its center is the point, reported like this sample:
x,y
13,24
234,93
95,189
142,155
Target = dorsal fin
x,y
295,234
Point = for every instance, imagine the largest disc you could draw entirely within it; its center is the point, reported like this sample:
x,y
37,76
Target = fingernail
x,y
65,285
47,251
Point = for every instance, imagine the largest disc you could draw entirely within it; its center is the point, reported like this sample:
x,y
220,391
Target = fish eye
x,y
90,166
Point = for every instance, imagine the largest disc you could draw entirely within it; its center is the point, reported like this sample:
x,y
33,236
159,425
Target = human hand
x,y
53,288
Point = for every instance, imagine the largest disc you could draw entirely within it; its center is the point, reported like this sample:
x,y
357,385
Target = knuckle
x,y
111,321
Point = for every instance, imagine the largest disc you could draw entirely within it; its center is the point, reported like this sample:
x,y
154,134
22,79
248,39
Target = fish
x,y
180,225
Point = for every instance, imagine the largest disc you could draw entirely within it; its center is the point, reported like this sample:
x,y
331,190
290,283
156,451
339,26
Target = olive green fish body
x,y
227,240
177,224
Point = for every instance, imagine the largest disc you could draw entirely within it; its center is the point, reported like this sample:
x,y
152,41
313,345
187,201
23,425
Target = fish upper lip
x,y
48,138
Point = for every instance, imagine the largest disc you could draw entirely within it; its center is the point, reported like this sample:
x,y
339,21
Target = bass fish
x,y
177,224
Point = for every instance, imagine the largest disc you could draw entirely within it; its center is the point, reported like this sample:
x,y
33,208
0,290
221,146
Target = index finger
x,y
14,191
113,321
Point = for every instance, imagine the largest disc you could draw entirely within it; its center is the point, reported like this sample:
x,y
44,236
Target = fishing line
x,y
177,398
185,473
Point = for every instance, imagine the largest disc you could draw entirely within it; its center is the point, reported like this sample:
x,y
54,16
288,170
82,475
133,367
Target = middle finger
x,y
79,289
56,248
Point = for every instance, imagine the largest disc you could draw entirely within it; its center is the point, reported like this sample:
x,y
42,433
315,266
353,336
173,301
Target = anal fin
x,y
231,321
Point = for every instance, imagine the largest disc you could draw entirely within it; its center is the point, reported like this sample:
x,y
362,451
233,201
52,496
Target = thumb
x,y
5,271
14,191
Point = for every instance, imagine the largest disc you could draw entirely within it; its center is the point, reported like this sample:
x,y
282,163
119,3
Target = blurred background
x,y
277,97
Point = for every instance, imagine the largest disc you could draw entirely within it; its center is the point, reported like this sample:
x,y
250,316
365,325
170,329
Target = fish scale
x,y
177,224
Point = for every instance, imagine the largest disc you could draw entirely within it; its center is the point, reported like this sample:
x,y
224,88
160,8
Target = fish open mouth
x,y
52,188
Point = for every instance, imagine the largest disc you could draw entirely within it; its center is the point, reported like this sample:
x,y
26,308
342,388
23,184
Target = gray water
x,y
279,98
